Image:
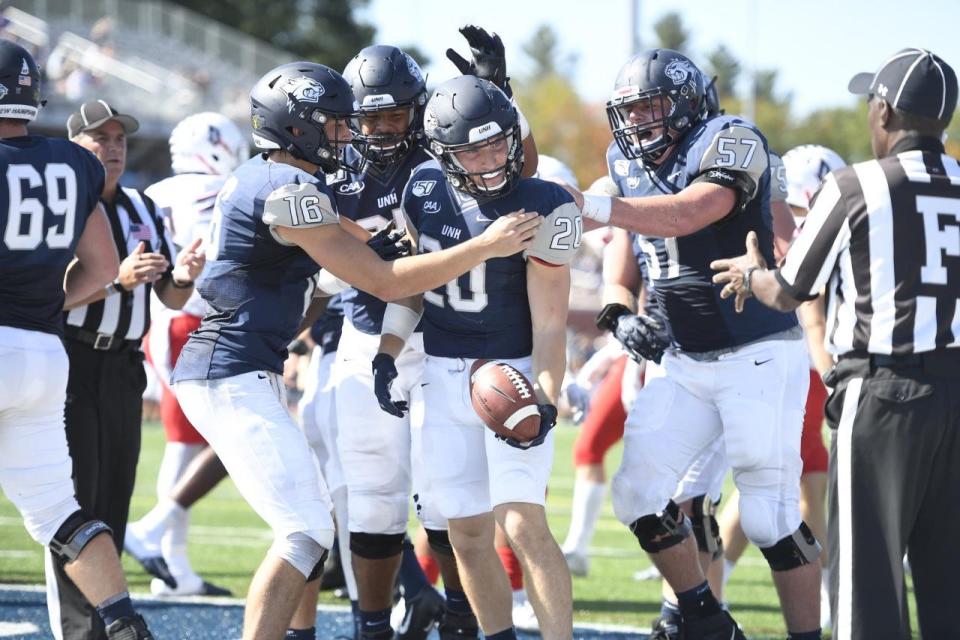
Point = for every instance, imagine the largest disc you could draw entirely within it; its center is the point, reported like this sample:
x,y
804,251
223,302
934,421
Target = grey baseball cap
x,y
95,113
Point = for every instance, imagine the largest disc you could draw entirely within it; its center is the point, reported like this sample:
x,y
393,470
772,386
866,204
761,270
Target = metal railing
x,y
163,19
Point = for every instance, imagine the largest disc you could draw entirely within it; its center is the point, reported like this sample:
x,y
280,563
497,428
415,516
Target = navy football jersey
x,y
257,286
369,199
679,268
51,186
485,312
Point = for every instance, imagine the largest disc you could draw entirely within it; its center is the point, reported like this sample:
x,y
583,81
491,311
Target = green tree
x,y
722,64
671,34
325,31
543,49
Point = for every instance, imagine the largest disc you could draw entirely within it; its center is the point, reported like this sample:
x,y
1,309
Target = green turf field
x,y
228,541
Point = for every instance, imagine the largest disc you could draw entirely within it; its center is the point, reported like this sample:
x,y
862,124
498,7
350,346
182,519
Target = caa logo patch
x,y
679,70
621,167
431,206
423,188
633,182
351,188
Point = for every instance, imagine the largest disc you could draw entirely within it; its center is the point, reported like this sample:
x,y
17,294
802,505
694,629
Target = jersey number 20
x,y
25,230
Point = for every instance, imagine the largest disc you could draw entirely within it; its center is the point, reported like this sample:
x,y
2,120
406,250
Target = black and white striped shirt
x,y
883,236
126,315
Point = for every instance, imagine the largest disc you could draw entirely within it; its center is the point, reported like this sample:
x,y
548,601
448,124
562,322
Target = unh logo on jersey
x,y
679,70
303,89
423,188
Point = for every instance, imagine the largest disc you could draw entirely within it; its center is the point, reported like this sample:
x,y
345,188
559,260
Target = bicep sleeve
x,y
298,206
813,255
558,237
735,158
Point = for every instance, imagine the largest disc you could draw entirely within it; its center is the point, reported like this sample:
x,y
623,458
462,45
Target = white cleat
x,y
189,585
578,563
524,617
650,573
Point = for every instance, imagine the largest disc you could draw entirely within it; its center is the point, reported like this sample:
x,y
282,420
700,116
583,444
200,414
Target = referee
x,y
883,237
102,339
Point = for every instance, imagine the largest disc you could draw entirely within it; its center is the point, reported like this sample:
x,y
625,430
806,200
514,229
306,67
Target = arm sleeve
x,y
298,206
813,255
558,237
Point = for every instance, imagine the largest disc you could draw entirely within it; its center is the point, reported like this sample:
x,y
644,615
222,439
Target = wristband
x,y
747,276
330,284
111,289
400,321
597,207
181,285
298,347
521,120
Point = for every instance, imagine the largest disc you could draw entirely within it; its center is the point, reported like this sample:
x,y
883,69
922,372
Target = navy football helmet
x,y
19,83
467,114
664,84
290,106
384,78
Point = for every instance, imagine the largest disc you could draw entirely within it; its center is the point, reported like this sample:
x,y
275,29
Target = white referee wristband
x,y
400,321
330,284
597,207
521,120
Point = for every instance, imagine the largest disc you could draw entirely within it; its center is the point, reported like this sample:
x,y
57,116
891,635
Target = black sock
x,y
457,602
506,634
412,577
375,624
301,634
119,606
355,610
806,635
698,602
670,613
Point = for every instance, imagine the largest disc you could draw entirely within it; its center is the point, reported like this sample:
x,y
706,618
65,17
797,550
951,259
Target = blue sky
x,y
816,45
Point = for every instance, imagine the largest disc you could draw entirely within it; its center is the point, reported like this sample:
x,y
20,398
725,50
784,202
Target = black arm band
x,y
742,184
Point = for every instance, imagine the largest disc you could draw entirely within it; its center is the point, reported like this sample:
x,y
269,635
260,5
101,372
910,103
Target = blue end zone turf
x,y
23,615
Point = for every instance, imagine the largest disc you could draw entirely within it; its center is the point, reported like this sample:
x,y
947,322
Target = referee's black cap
x,y
913,80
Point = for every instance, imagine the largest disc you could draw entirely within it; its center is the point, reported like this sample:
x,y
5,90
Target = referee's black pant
x,y
894,487
103,413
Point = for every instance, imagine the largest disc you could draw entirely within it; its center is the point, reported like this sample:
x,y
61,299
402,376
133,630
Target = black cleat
x,y
157,567
129,629
459,627
720,626
665,630
422,615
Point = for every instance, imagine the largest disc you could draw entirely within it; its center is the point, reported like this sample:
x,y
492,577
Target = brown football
x,y
504,400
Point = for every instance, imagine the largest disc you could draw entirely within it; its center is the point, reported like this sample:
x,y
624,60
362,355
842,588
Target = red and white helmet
x,y
207,143
806,166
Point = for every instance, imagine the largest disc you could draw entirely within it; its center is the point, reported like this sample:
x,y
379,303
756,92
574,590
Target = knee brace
x,y
793,551
660,531
705,527
302,552
74,534
376,546
440,541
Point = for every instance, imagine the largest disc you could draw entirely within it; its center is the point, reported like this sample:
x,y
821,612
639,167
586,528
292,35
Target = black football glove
x,y
384,373
548,420
642,336
390,243
489,61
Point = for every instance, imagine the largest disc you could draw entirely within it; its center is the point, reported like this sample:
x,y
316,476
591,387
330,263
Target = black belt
x,y
99,341
945,362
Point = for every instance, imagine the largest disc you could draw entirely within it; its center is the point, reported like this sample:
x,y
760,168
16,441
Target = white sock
x,y
174,543
519,596
825,581
176,457
587,501
153,526
728,567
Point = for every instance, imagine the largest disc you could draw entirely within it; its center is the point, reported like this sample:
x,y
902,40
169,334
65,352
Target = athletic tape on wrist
x,y
597,207
330,284
400,321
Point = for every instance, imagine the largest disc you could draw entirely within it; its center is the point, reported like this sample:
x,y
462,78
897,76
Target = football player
x,y
205,148
744,382
274,223
375,452
511,309
56,248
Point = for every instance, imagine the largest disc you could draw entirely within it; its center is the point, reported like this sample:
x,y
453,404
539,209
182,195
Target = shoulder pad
x,y
558,237
738,148
298,206
778,179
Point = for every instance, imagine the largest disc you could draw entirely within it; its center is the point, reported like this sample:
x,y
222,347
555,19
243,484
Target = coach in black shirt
x,y
102,338
883,237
